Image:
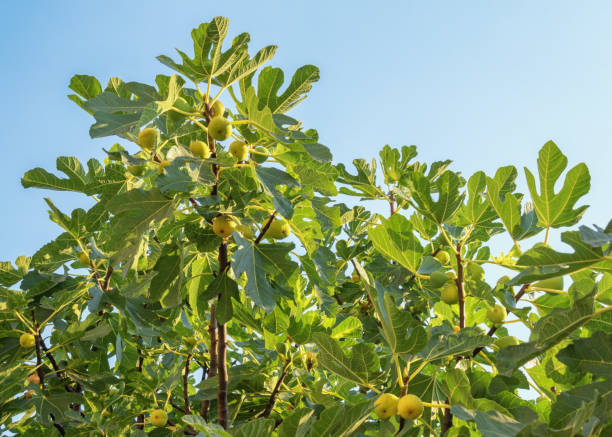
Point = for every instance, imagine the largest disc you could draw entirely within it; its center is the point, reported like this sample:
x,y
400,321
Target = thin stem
x,y
265,228
272,399
222,410
186,385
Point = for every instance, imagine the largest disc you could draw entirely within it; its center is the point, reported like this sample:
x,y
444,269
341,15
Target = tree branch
x,y
265,228
141,418
222,411
186,385
272,399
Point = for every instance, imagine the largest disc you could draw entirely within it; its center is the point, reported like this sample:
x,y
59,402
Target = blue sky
x,y
482,83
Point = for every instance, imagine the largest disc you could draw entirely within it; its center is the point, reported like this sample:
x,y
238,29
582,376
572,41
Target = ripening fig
x,y
278,229
443,257
386,405
147,138
27,340
220,128
34,378
410,407
29,394
223,225
450,293
550,283
239,150
159,417
438,279
456,329
162,165
218,109
497,314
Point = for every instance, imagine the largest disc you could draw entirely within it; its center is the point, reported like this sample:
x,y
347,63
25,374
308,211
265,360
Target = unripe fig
x,y
199,148
278,229
410,407
438,279
27,340
449,293
386,405
162,165
147,138
497,314
239,150
220,128
218,109
443,257
223,225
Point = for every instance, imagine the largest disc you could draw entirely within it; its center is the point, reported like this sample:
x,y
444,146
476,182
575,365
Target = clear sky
x,y
484,83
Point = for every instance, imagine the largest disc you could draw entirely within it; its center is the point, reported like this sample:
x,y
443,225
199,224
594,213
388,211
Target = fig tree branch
x,y
459,281
272,399
186,385
265,228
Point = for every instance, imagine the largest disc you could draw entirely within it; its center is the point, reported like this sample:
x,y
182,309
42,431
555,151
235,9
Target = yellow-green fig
x,y
159,417
199,148
224,225
450,293
386,405
259,155
239,150
355,277
218,109
278,229
443,257
410,407
147,138
497,314
220,128
27,340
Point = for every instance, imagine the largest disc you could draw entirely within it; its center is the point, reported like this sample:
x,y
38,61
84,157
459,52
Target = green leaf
x,y
113,124
398,327
490,424
271,79
40,178
546,333
395,167
443,345
449,198
361,366
543,262
86,87
504,202
593,355
477,211
224,288
297,424
168,267
577,407
255,428
10,275
556,210
395,239
341,420
270,178
258,260
208,429
348,328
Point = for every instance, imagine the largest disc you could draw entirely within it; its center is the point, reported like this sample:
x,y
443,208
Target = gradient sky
x,y
482,83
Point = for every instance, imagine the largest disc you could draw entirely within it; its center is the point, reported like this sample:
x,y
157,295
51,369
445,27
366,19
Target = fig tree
x,y
220,128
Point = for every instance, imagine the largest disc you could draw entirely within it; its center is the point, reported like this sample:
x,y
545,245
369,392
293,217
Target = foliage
x,y
257,336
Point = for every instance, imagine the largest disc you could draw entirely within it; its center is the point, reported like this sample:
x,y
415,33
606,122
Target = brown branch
x,y
222,411
265,228
141,418
187,431
391,203
272,399
177,407
459,282
212,371
447,423
107,278
37,338
186,385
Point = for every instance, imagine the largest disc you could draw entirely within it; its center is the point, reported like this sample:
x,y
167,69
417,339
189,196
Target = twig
x,y
141,418
186,385
265,228
212,371
272,399
39,371
222,411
